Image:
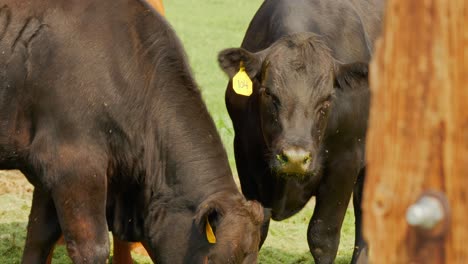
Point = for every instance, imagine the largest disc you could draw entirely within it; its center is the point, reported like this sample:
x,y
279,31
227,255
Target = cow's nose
x,y
294,160
294,155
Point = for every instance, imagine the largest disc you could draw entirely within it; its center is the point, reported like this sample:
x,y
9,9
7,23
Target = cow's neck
x,y
183,154
176,158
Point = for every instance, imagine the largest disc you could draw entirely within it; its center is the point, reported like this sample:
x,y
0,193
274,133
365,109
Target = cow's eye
x,y
265,91
276,102
270,97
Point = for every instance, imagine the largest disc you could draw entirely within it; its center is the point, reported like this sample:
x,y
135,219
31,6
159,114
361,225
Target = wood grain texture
x,y
418,130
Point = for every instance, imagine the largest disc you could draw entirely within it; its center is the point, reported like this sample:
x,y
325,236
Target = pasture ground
x,y
205,27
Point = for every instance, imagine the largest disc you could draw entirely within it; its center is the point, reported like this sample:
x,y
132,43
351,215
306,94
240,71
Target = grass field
x,y
205,27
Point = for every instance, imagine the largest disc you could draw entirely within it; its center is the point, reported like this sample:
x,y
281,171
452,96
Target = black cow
x,y
302,131
99,110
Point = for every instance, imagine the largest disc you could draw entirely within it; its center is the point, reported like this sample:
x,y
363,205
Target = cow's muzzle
x,y
294,160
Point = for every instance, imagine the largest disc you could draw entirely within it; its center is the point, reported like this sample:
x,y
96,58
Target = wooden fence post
x,y
417,141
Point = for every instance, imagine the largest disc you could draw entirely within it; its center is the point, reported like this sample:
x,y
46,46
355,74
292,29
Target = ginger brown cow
x,y
99,110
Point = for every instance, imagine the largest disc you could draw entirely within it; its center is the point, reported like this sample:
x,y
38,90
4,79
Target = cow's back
x,y
77,68
348,27
111,74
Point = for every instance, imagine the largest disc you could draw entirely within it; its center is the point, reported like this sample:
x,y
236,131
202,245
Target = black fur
x,y
308,61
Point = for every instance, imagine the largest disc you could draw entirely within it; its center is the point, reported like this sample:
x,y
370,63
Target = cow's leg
x,y
360,245
43,229
76,176
51,254
323,234
122,253
138,248
82,213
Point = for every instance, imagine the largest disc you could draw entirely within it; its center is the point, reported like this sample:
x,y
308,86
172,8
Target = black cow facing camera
x,y
302,131
299,85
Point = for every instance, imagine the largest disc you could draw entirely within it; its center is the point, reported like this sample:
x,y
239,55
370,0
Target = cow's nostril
x,y
295,156
282,158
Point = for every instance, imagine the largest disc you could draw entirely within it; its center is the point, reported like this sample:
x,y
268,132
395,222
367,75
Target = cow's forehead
x,y
301,47
299,59
292,76
299,89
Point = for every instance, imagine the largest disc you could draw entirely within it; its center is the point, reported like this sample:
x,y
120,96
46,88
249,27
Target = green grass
x,y
205,28
287,241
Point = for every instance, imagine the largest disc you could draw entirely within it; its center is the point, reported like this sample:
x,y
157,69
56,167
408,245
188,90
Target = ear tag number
x,y
241,82
209,233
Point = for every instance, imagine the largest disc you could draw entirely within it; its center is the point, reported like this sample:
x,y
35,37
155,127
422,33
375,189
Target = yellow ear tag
x,y
209,233
241,82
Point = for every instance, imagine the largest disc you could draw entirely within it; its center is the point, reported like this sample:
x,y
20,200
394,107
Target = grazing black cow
x,y
301,133
99,110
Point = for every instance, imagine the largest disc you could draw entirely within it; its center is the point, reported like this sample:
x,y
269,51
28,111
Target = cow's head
x,y
232,227
224,229
295,82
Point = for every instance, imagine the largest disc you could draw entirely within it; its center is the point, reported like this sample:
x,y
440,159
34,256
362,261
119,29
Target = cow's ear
x,y
351,76
257,211
230,60
207,218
